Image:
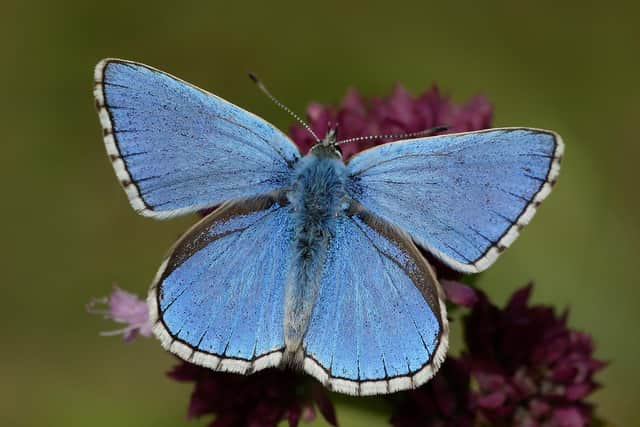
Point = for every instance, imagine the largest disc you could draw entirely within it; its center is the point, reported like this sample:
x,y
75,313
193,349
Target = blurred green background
x,y
69,231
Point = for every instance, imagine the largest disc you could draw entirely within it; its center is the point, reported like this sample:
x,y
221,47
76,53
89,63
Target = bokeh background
x,y
69,233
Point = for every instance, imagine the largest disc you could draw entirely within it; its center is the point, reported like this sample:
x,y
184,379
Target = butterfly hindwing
x,y
379,324
464,197
177,148
217,300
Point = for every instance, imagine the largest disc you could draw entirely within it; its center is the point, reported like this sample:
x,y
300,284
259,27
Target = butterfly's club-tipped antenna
x,y
264,89
425,132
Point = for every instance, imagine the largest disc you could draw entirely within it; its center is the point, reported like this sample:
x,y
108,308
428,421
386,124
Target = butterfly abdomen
x,y
317,195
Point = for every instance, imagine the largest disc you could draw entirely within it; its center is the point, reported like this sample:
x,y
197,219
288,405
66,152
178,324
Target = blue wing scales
x,y
463,197
379,325
177,149
217,300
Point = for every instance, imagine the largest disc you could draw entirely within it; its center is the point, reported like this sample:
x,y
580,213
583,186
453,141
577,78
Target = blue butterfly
x,y
309,261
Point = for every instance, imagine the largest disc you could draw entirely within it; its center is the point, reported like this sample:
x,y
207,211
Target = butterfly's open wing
x,y
464,197
177,149
217,300
379,324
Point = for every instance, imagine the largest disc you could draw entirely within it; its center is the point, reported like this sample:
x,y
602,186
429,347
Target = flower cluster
x,y
260,400
522,365
399,113
530,368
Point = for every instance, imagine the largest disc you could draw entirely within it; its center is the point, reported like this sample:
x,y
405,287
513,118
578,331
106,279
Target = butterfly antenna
x,y
425,132
264,89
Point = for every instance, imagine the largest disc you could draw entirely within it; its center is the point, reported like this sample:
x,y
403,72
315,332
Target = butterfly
x,y
308,261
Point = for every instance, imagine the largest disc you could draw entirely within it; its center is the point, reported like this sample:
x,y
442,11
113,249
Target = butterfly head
x,y
328,146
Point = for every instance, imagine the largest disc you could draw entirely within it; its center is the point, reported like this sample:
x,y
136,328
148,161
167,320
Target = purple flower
x,y
262,399
399,113
529,367
123,307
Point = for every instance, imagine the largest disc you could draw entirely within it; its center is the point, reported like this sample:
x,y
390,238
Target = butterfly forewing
x,y
463,197
177,148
